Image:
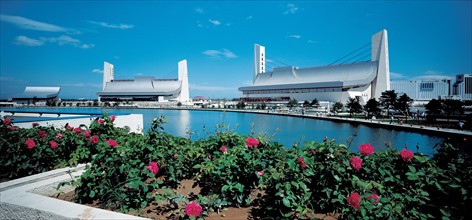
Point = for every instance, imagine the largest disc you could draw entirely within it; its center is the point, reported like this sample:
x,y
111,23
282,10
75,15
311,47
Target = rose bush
x,y
130,171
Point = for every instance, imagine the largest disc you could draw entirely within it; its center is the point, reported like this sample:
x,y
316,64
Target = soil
x,y
186,188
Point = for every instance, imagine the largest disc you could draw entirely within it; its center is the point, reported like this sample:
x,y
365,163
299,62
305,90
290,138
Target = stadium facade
x,y
423,90
34,94
335,83
145,88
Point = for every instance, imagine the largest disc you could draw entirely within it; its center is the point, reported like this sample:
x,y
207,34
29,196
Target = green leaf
x,y
286,202
295,184
454,185
92,194
224,188
412,168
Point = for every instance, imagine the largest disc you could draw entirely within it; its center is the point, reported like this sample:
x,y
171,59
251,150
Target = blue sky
x,y
62,43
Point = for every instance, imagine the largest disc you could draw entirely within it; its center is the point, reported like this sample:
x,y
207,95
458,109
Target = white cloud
x,y
296,36
26,41
312,42
61,40
249,17
291,9
68,40
200,10
97,71
215,22
394,75
113,26
211,88
28,24
432,75
224,53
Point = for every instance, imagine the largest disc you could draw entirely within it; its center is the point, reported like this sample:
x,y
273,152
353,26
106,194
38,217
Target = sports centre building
x,y
145,88
335,83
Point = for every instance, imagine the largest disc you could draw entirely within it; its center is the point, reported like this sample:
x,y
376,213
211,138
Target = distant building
x,y
33,95
422,90
145,88
362,80
463,86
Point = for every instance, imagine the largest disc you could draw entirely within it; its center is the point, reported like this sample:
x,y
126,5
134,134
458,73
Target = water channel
x,y
286,130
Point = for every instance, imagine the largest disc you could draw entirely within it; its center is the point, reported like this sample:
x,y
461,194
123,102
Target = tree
x,y
403,105
372,107
452,106
240,105
337,107
314,103
306,103
292,103
354,106
388,100
433,109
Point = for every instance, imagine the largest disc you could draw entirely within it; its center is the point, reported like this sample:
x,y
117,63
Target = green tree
x,y
292,103
337,107
433,109
388,100
354,106
451,107
240,105
372,107
314,103
403,105
306,103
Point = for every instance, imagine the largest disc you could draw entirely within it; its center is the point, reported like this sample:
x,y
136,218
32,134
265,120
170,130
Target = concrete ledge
x,y
19,192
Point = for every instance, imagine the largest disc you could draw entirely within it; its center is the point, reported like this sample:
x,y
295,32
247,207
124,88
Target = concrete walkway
x,y
28,198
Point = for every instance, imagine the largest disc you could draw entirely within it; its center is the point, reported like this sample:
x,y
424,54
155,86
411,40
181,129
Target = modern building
x,y
463,86
362,80
33,95
423,90
145,88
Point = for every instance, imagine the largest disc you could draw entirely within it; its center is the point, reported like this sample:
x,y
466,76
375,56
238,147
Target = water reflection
x,y
288,130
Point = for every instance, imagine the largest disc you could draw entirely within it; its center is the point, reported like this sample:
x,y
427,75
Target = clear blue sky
x,y
62,43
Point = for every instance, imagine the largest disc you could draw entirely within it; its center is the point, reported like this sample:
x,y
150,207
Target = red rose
x,y
87,133
34,124
112,118
354,200
223,149
175,156
53,144
68,127
7,121
193,209
260,173
252,142
30,143
59,136
153,167
375,197
77,130
406,155
356,163
302,163
313,151
366,149
112,143
42,134
101,121
13,128
94,139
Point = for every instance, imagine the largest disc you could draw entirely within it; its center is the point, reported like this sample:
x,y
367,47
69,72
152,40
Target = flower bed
x,y
129,172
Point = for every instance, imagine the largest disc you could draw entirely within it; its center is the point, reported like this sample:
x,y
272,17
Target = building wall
x,y
463,86
422,90
259,60
108,73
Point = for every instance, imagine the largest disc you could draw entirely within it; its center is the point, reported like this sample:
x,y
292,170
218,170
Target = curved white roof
x,y
142,86
40,92
325,76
